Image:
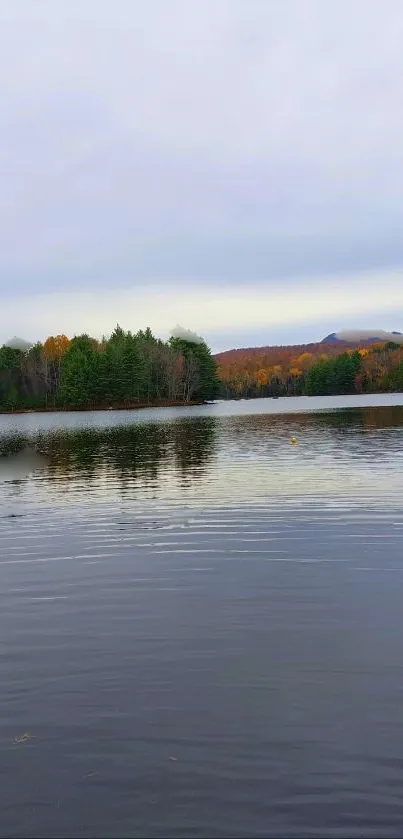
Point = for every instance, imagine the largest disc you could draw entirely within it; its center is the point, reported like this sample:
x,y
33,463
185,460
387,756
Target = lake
x,y
201,623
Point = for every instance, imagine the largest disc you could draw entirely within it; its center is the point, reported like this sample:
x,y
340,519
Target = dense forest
x,y
129,370
316,369
125,370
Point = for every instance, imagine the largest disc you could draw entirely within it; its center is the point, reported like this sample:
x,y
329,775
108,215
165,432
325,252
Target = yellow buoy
x,y
293,441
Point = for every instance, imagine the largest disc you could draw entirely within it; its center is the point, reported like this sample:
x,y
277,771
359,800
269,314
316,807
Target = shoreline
x,y
137,406
142,406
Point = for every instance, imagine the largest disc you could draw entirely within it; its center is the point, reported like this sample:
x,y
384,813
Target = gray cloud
x,y
186,335
218,142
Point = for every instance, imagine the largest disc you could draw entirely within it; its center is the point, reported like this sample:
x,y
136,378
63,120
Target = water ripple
x,y
200,625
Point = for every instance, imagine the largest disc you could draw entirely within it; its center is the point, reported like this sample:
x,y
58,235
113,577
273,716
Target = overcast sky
x,y
236,167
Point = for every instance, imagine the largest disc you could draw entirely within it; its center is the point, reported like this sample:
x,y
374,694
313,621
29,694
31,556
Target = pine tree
x,y
200,374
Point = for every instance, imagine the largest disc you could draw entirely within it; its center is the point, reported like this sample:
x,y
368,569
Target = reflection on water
x,y
201,624
237,458
112,459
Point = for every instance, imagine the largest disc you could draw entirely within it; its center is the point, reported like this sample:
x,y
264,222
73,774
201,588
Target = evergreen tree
x,y
78,379
201,380
11,393
333,376
395,379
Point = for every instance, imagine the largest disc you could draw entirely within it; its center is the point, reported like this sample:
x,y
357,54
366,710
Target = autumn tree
x,y
54,349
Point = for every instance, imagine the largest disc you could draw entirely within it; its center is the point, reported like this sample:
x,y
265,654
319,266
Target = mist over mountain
x,y
363,336
349,337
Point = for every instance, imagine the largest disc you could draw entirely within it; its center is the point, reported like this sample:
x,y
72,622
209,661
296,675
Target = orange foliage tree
x,y
54,349
262,377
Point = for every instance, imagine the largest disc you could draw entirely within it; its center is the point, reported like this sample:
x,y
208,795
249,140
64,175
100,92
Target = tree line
x,y
128,370
124,370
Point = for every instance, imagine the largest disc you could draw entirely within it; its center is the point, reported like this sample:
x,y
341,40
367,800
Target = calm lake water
x,y
201,624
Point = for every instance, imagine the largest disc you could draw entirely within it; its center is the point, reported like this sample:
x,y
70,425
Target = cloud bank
x,y
218,160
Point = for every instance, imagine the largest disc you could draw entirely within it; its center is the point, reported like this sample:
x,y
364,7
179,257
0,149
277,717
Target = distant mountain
x,y
363,336
336,343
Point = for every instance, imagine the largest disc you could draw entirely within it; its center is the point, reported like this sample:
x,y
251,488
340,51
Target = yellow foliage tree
x,y
55,347
304,360
262,377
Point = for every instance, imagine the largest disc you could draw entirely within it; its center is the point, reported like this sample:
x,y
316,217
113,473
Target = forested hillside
x,y
125,370
128,370
313,369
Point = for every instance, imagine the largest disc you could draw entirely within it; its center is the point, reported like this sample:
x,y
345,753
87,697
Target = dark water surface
x,y
201,625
